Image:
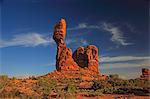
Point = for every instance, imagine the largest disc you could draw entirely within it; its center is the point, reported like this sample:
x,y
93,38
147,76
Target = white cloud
x,y
122,65
85,26
124,68
70,41
27,40
123,58
84,42
117,34
80,41
36,39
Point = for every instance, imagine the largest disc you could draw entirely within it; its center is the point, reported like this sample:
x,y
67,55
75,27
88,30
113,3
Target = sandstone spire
x,y
64,60
60,32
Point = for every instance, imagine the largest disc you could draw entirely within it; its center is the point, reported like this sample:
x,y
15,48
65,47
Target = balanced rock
x,y
60,32
83,57
64,60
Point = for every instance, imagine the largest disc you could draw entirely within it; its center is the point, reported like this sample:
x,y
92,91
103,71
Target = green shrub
x,y
95,93
114,76
71,89
96,85
3,81
3,77
14,78
33,78
46,85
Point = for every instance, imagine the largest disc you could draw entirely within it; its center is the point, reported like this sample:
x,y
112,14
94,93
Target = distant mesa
x,y
145,74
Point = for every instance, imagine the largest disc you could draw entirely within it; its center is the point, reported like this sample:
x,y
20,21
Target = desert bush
x,y
71,89
3,78
33,78
100,85
108,90
3,81
96,85
95,93
122,91
14,78
99,92
114,76
86,90
9,95
146,84
46,85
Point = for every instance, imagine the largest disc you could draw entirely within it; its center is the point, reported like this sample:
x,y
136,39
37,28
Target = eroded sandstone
x,y
83,57
64,60
87,57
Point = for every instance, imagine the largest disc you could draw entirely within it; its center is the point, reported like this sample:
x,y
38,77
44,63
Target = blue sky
x,y
118,28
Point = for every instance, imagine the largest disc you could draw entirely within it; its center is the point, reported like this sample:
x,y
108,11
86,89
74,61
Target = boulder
x,y
87,57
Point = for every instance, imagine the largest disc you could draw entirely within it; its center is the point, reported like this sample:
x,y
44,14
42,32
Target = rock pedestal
x,y
83,57
64,60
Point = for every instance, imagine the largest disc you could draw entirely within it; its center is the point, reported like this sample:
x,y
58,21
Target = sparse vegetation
x,y
44,87
71,89
3,81
119,86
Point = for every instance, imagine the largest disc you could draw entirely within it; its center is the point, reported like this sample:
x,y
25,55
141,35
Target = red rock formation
x,y
80,57
92,53
64,60
84,61
87,57
145,74
85,84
